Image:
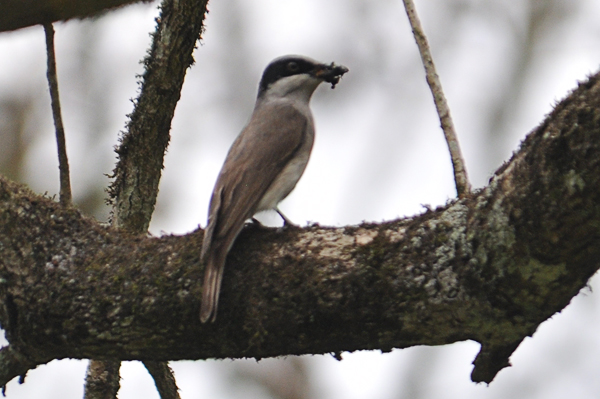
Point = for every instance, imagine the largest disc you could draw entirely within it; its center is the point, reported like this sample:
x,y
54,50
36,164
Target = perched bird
x,y
265,161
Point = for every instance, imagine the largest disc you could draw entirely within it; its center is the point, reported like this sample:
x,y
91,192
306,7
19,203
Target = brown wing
x,y
270,140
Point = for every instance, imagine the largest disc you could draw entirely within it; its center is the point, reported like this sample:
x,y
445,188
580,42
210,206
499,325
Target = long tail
x,y
213,275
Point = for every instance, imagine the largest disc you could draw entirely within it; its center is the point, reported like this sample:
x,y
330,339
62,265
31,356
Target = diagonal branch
x,y
141,152
463,187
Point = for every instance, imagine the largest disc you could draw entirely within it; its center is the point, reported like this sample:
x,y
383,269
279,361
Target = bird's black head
x,y
290,65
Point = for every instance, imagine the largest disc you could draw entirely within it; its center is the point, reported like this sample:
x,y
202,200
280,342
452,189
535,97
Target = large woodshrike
x,y
265,161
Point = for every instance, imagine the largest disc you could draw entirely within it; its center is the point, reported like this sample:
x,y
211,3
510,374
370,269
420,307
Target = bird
x,y
264,163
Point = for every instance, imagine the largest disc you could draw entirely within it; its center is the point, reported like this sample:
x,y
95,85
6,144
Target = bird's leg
x,y
286,222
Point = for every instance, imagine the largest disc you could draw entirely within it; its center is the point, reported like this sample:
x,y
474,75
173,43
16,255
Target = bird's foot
x,y
287,223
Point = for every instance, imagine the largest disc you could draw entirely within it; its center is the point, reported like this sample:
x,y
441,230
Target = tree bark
x,y
490,268
102,379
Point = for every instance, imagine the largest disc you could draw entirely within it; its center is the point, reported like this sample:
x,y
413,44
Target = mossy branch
x,y
490,267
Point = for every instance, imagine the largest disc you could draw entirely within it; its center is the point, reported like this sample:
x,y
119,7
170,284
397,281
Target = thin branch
x,y
163,378
463,187
63,161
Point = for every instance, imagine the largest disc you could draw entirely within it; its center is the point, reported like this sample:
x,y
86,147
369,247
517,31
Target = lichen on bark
x,y
490,267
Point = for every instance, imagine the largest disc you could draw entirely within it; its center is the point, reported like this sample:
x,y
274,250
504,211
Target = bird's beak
x,y
330,73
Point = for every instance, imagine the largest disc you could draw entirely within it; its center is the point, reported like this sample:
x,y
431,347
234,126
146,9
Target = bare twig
x,y
63,161
463,187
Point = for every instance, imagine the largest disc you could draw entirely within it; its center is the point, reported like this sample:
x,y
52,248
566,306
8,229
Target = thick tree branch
x,y
490,268
16,14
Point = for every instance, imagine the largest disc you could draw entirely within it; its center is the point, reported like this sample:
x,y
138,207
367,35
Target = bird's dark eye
x,y
293,66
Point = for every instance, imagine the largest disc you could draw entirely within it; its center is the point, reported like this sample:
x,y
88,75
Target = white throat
x,y
295,87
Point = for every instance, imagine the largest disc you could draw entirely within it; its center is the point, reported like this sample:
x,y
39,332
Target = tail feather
x,y
213,275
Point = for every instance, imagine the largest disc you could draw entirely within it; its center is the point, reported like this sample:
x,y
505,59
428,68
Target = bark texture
x,y
490,267
102,379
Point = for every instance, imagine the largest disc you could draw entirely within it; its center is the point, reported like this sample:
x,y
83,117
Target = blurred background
x,y
379,155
